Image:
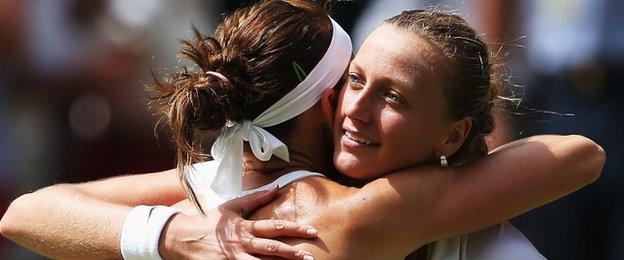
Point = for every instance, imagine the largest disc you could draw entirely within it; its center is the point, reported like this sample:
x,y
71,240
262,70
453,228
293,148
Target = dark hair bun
x,y
253,49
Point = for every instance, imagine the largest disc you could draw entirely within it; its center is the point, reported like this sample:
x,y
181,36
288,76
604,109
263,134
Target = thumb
x,y
247,204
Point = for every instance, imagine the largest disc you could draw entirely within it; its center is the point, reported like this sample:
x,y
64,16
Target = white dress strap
x,y
201,176
284,180
501,241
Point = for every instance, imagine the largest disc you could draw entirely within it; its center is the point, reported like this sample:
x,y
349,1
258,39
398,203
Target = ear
x,y
457,133
327,105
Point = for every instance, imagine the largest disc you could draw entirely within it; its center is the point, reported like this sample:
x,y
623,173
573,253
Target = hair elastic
x,y
218,75
301,75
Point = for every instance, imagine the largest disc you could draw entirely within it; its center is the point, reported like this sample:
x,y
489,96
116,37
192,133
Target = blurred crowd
x,y
73,104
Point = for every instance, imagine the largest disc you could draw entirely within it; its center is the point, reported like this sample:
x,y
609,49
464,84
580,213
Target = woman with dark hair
x,y
424,98
270,52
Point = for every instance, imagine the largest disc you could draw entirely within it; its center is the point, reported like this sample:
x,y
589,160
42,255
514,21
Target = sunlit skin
x,y
393,102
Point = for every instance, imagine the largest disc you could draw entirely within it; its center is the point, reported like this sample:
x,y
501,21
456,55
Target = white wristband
x,y
141,232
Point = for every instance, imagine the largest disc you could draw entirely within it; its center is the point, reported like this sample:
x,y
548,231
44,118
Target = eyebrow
x,y
354,64
402,79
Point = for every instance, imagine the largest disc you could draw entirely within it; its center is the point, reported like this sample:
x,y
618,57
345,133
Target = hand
x,y
224,234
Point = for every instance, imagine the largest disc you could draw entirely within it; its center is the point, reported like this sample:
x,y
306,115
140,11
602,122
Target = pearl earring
x,y
443,161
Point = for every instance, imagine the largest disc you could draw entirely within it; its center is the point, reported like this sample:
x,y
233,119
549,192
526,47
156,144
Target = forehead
x,y
402,53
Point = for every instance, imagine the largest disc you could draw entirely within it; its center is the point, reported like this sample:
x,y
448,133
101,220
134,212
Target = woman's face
x,y
390,112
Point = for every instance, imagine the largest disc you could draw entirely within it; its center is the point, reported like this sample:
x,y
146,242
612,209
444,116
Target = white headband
x,y
227,150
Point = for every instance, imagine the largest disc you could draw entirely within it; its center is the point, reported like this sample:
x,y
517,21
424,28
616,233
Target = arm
x,y
408,209
55,220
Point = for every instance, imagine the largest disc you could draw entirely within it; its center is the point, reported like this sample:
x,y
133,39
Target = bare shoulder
x,y
318,202
306,200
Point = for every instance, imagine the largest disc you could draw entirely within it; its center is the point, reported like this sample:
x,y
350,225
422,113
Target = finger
x,y
269,228
246,204
270,247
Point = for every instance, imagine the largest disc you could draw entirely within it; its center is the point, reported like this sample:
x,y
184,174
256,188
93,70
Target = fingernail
x,y
308,257
311,231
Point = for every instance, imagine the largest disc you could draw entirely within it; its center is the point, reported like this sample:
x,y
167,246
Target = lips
x,y
360,139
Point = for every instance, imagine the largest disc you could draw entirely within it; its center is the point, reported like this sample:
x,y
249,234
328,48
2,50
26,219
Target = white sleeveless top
x,y
201,175
501,241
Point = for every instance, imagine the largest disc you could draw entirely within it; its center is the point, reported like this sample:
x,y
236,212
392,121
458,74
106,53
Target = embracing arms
x,y
56,220
85,220
408,209
396,213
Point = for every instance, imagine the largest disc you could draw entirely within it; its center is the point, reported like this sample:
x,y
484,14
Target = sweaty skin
x,y
394,215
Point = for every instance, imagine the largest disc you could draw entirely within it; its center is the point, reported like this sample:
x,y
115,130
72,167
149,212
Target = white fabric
x,y
141,232
202,174
284,180
502,241
228,148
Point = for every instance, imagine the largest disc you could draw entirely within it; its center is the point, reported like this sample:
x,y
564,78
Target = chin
x,y
356,171
359,168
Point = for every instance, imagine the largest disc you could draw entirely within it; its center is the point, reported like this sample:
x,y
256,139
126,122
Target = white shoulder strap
x,y
284,180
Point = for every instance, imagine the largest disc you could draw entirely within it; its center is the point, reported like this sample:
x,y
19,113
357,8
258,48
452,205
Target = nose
x,y
359,105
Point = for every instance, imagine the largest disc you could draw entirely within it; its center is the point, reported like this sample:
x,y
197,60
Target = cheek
x,y
407,137
395,127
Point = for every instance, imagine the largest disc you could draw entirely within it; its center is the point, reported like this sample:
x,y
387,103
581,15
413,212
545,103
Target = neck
x,y
309,147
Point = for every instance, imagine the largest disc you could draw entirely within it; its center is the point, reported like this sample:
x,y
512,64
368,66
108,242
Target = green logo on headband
x,y
301,75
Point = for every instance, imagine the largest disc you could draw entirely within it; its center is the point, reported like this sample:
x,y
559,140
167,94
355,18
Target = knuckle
x,y
249,242
271,246
246,224
245,229
279,224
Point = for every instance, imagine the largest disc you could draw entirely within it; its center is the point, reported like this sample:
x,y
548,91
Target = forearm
x,y
63,222
160,188
423,204
84,220
522,176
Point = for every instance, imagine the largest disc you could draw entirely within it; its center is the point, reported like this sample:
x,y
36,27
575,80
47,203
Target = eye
x,y
393,96
355,81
